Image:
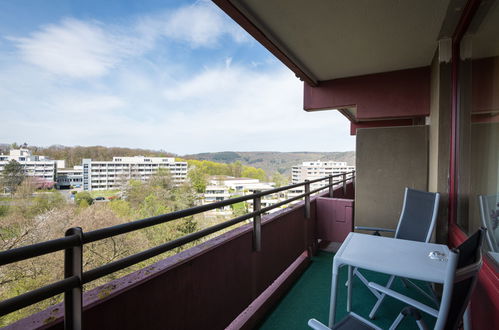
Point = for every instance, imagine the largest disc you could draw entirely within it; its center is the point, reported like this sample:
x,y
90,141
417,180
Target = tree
x,y
12,175
237,169
254,173
198,179
83,199
162,178
239,209
279,179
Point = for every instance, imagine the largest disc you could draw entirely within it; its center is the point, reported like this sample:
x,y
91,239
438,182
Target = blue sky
x,y
172,75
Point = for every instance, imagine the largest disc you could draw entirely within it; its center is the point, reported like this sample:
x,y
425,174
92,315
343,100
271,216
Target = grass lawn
x,y
104,193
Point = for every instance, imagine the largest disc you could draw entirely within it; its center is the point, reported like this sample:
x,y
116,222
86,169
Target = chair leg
x,y
467,319
409,311
421,325
397,321
364,280
381,298
349,289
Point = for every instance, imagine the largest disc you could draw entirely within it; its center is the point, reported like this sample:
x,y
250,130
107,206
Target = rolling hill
x,y
271,161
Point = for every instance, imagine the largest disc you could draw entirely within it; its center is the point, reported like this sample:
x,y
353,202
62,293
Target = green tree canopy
x,y
12,175
198,178
279,179
83,198
206,168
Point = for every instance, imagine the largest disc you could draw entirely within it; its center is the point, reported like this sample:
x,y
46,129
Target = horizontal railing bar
x,y
287,201
53,289
96,273
112,267
276,205
276,190
327,177
124,228
103,233
32,297
38,249
320,188
327,186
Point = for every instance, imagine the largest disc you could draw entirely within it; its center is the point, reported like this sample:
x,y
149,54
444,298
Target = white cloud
x,y
89,105
221,108
81,49
73,48
152,102
201,25
254,111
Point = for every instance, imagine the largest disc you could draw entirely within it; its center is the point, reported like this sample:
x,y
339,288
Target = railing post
x,y
73,266
331,190
344,185
307,199
257,224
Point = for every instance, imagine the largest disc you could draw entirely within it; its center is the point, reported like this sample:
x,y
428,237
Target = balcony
x,y
234,278
309,297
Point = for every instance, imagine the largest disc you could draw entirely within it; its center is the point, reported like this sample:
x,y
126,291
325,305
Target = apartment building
x,y
70,177
315,170
40,167
319,169
222,187
217,193
104,175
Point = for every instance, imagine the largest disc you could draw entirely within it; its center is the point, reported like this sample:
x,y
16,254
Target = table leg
x,y
349,289
332,304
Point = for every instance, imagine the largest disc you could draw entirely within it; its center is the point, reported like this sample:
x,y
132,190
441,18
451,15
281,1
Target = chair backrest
x,y
464,264
489,215
419,214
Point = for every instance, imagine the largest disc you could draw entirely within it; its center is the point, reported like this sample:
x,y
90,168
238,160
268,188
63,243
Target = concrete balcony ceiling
x,y
329,39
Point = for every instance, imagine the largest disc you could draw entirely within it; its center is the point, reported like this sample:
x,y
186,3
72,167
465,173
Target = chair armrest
x,y
316,325
375,229
404,299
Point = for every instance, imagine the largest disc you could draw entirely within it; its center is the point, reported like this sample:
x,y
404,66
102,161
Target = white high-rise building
x,y
104,175
318,169
36,166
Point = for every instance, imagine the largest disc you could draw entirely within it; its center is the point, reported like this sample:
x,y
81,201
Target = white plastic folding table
x,y
404,258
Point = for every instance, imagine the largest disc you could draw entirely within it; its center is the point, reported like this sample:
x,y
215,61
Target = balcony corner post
x,y
73,266
307,199
257,223
331,190
344,185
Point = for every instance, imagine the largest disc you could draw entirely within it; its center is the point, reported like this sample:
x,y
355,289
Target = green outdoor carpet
x,y
309,298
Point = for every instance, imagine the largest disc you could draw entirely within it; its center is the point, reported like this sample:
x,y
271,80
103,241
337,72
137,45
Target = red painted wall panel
x,y
485,84
334,218
397,94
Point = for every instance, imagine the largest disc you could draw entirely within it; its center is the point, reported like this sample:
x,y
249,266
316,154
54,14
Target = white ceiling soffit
x,y
342,38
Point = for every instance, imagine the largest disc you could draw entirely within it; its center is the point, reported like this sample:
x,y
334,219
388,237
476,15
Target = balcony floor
x,y
309,298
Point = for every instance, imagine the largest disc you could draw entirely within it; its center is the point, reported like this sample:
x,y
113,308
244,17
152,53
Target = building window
x,y
478,144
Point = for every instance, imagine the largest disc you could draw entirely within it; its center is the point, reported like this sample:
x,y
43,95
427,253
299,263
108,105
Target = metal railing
x,y
75,239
